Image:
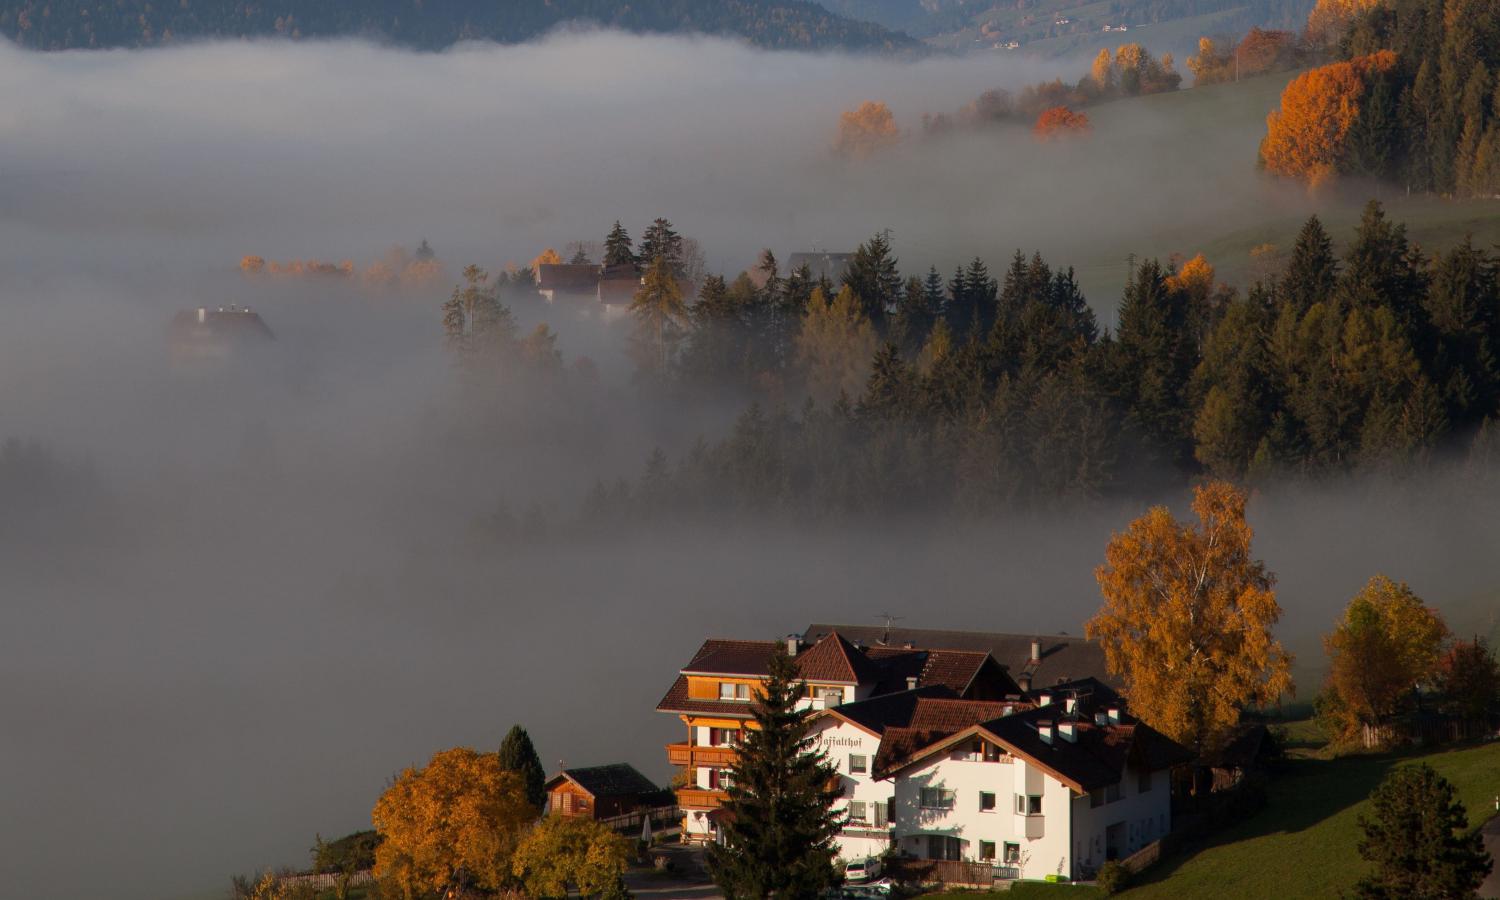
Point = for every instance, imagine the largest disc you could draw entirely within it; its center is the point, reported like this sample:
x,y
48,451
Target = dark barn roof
x,y
614,780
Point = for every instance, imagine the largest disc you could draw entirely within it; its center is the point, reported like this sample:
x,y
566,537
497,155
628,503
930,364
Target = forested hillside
x,y
1064,25
431,24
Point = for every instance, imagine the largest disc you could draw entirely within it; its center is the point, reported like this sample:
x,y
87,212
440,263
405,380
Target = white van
x,y
860,871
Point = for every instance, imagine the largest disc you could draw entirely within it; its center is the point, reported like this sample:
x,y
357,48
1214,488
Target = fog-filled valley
x,y
236,599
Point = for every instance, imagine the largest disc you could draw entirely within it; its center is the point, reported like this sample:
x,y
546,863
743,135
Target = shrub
x,y
1113,877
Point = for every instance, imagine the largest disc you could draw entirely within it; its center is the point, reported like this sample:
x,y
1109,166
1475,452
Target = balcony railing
x,y
685,754
700,798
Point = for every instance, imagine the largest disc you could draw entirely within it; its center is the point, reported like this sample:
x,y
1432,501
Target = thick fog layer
x,y
235,600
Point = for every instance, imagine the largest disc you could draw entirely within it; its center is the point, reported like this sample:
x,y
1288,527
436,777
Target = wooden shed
x,y
602,792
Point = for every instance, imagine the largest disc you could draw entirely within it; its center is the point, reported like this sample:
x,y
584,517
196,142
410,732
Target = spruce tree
x,y
659,241
778,837
1417,836
617,247
873,276
519,756
891,391
1312,271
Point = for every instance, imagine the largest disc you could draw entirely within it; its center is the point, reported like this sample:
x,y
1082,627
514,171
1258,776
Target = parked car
x,y
859,871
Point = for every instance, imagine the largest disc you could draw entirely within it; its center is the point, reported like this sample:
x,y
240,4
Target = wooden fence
x,y
949,871
663,818
324,881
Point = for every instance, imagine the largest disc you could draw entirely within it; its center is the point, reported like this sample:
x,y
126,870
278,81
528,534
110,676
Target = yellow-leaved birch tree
x,y
1187,619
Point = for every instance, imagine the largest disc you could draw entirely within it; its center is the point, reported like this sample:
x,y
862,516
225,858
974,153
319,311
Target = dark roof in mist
x,y
224,323
831,265
1064,657
566,278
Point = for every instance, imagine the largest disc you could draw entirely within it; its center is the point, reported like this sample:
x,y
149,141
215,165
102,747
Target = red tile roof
x,y
834,659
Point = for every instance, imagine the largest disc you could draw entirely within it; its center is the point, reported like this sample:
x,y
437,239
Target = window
x,y
723,737
986,801
1028,804
1012,854
719,779
882,814
937,798
1112,793
1143,781
1096,797
728,690
859,764
992,752
987,850
831,696
856,811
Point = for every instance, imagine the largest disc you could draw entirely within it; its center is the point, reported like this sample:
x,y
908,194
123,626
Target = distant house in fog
x,y
562,282
830,265
617,288
211,334
602,792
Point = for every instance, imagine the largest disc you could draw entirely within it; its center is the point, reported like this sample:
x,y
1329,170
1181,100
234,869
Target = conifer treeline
x,y
933,394
1432,122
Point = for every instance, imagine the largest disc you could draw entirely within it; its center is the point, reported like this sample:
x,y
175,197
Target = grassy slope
x,y
1303,843
1433,223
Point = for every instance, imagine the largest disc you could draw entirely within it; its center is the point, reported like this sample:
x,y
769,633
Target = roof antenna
x,y
885,636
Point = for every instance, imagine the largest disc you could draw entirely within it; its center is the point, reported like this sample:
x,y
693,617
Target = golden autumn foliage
x,y
548,257
463,812
864,130
1307,136
1386,643
1329,18
1187,619
395,267
834,348
1060,122
1260,51
561,852
1102,72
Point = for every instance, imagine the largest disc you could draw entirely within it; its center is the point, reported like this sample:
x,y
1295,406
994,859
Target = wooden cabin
x,y
602,792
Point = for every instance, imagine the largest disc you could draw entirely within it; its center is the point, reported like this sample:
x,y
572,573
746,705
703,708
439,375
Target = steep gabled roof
x,y
614,780
834,659
1095,759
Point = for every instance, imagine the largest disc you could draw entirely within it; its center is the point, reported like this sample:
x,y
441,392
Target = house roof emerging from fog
x,y
567,279
1063,657
224,323
614,780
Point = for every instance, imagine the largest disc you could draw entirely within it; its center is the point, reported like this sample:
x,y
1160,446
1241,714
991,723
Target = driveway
x,y
1491,831
687,881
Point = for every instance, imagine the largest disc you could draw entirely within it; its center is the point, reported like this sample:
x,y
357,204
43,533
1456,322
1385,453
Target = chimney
x,y
1114,715
793,644
1044,730
911,682
1036,650
1024,682
1068,731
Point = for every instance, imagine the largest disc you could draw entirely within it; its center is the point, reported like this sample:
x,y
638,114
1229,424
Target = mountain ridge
x,y
434,24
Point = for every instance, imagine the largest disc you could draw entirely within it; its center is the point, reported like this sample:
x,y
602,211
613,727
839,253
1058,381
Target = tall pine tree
x,y
617,247
519,756
778,837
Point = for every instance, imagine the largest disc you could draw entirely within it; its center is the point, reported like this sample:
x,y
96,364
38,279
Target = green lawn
x,y
1303,843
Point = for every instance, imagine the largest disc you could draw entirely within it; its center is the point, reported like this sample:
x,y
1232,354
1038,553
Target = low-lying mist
x,y
236,599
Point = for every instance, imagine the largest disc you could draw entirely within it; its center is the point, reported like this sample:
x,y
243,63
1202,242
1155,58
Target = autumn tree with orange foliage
x,y
1187,619
1387,642
1060,122
454,823
1329,19
1308,136
865,130
548,257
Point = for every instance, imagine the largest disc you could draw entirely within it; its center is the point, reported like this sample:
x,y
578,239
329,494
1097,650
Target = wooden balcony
x,y
685,754
699,798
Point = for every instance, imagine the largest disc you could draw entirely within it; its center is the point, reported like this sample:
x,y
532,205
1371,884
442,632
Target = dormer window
x,y
728,690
